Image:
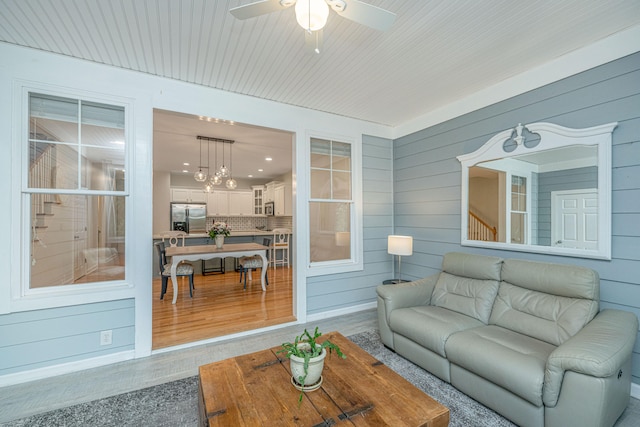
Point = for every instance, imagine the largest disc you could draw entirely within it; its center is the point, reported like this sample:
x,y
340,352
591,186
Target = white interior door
x,y
574,219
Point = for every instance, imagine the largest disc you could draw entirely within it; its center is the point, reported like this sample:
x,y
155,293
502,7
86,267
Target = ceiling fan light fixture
x,y
312,14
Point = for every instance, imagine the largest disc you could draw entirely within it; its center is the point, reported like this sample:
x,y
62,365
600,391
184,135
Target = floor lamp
x,y
400,246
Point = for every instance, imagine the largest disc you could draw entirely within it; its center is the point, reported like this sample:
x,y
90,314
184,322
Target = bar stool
x,y
280,243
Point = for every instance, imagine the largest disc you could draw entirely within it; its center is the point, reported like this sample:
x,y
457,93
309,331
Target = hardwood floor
x,y
220,306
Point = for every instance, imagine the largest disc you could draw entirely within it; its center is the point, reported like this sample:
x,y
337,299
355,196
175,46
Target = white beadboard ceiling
x,y
436,52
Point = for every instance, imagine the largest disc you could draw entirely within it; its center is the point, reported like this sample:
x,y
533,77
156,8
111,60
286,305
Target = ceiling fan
x,y
312,14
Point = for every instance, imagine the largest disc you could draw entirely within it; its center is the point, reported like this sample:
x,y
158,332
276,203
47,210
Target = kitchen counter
x,y
238,233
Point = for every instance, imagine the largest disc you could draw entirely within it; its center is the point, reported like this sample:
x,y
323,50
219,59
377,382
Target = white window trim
x,y
355,263
22,297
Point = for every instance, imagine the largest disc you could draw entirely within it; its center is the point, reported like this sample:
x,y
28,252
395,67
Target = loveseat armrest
x,y
401,295
598,350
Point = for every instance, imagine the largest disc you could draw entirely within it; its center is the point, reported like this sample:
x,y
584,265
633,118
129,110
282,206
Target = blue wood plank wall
x,y
326,293
40,338
427,175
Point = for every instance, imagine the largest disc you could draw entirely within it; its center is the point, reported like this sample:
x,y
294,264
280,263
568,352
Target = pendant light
x,y
215,179
208,186
223,171
200,176
231,183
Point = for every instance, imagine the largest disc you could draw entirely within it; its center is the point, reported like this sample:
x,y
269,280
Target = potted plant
x,y
306,358
218,232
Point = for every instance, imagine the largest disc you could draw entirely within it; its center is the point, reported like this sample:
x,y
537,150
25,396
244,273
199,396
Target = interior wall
x,y
337,291
427,175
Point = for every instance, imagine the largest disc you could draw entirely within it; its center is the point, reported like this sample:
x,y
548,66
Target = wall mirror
x,y
541,188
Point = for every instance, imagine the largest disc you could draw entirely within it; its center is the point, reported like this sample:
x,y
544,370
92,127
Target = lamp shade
x,y
400,245
312,14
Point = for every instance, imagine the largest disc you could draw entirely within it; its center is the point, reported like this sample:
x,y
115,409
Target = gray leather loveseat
x,y
524,338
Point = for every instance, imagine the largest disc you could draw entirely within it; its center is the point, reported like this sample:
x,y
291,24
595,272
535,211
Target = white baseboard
x,y
635,390
64,368
341,311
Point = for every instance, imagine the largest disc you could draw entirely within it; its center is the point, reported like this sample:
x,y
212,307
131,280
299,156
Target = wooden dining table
x,y
204,252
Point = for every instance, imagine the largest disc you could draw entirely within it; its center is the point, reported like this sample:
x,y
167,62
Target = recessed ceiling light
x,y
268,159
249,176
185,171
185,164
260,170
117,142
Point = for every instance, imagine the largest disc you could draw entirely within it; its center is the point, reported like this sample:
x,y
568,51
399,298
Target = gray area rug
x,y
175,404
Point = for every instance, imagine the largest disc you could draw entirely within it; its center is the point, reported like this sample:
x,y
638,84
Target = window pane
x,y
320,153
341,156
102,168
320,184
103,144
518,224
341,185
48,114
76,239
330,231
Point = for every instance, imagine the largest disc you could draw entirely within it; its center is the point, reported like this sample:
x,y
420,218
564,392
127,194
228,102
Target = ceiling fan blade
x,y
366,14
258,8
313,41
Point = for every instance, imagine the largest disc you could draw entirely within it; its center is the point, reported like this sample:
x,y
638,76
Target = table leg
x,y
263,275
174,282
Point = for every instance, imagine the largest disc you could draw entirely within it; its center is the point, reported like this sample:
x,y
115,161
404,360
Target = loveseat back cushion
x,y
472,266
549,318
471,297
557,279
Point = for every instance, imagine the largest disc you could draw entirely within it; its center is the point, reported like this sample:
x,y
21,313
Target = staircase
x,y
480,230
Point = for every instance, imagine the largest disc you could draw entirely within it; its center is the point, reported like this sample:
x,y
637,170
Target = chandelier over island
x,y
216,178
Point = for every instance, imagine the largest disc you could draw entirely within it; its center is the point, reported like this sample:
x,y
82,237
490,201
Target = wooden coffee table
x,y
255,390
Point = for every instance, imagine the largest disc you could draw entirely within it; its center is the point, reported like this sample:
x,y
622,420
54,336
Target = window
x,y
75,191
519,219
331,204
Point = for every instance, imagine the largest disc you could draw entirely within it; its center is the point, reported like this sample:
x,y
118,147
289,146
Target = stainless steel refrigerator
x,y
189,217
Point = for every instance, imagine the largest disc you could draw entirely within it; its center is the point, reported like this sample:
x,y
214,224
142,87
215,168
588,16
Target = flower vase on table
x,y
218,232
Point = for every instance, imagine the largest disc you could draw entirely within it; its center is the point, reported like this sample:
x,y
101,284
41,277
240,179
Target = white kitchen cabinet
x,y
217,203
188,195
270,191
240,203
258,199
278,200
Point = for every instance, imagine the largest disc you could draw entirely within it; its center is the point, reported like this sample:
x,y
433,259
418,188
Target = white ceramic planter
x,y
314,371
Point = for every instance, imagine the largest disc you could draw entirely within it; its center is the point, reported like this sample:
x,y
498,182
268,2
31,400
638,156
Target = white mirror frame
x,y
551,136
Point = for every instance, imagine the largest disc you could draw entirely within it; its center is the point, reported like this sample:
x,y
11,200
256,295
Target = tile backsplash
x,y
251,222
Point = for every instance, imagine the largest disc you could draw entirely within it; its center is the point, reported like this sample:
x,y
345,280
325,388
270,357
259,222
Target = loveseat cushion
x,y
430,326
510,360
549,318
472,266
472,297
570,281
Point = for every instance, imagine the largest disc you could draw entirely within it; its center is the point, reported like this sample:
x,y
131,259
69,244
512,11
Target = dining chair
x,y
176,238
281,238
165,270
246,264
